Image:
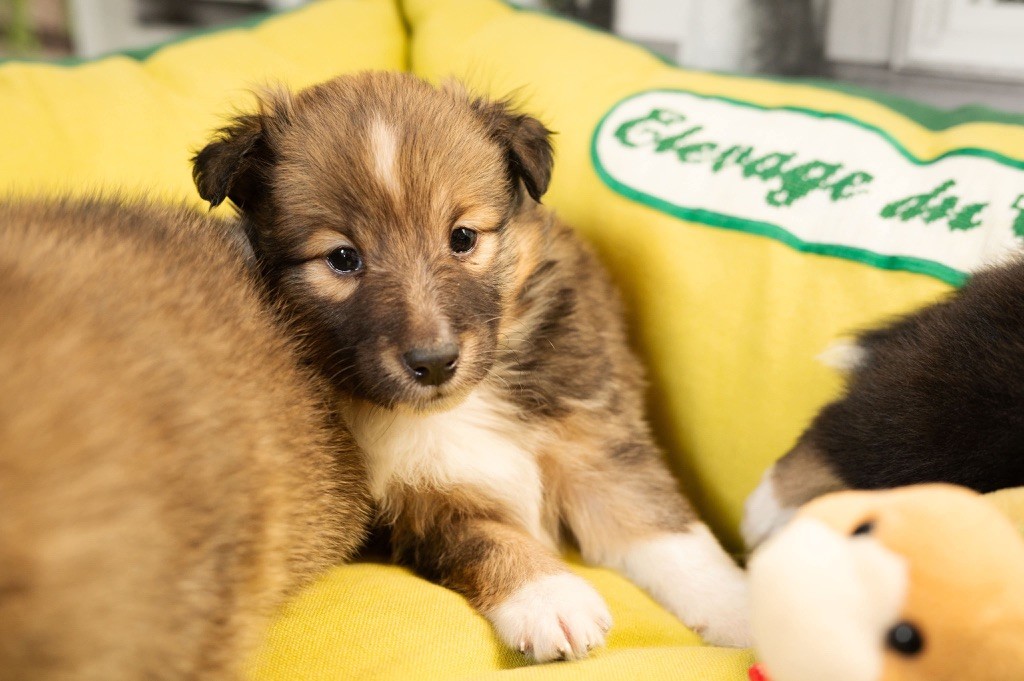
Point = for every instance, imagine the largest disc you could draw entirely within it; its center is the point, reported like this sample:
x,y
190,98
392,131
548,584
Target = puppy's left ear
x,y
527,144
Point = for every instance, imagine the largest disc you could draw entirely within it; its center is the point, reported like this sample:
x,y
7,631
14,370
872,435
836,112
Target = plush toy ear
x,y
526,142
235,164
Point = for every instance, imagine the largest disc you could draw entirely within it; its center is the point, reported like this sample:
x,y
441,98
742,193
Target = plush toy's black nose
x,y
433,365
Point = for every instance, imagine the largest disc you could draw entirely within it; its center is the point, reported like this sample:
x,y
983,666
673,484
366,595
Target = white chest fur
x,y
477,444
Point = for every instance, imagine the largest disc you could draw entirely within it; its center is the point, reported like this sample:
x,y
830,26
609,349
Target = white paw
x,y
558,617
725,621
693,577
762,512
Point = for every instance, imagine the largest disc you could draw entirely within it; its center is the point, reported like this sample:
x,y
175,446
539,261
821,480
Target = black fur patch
x,y
940,396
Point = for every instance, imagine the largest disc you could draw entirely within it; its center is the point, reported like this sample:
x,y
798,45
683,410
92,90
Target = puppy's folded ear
x,y
527,144
236,163
225,168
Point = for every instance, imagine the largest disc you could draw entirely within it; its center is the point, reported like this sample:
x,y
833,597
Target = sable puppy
x,y
478,352
167,471
936,396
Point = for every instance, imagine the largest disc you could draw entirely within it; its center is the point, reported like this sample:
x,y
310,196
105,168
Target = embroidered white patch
x,y
692,576
762,512
476,443
816,180
384,146
552,618
821,603
844,355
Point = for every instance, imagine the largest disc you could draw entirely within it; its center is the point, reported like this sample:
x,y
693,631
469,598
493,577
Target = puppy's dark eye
x,y
462,240
345,260
905,639
866,527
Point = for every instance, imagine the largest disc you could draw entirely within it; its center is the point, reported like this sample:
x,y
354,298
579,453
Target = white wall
x,y
705,34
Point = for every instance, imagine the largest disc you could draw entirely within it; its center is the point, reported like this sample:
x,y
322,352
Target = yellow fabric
x,y
122,123
729,323
372,621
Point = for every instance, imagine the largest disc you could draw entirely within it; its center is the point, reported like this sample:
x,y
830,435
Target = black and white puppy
x,y
935,396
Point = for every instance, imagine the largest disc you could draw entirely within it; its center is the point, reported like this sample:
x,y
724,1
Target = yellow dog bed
x,y
749,222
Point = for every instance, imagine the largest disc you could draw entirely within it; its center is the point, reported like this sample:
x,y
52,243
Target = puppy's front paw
x,y
558,617
696,580
727,622
714,603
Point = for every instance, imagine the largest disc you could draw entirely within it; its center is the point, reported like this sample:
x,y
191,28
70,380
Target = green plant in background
x,y
20,37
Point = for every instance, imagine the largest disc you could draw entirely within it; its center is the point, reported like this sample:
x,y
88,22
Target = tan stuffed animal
x,y
919,583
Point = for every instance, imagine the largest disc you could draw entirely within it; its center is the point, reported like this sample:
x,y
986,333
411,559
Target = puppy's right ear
x,y
233,166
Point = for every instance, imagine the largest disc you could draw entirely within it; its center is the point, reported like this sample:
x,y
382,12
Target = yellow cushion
x,y
134,123
371,621
729,301
729,322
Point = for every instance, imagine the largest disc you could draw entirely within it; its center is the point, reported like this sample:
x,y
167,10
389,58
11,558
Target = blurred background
x,y
944,52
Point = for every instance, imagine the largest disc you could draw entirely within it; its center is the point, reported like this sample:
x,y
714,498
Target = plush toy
x,y
912,584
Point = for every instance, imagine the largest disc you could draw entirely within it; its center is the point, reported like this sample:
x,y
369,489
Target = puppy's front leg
x,y
626,513
534,603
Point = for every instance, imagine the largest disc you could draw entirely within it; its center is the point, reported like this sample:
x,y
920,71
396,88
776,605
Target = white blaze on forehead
x,y
821,603
384,149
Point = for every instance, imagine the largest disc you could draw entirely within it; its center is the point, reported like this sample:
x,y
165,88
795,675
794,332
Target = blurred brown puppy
x,y
477,348
167,472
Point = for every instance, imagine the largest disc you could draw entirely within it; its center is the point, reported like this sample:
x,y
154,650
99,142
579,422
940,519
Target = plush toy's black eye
x,y
462,240
866,527
905,639
345,260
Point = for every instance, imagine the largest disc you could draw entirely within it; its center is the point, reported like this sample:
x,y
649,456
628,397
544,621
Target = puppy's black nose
x,y
433,365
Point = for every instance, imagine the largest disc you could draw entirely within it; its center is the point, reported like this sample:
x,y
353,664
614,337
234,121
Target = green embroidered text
x,y
667,131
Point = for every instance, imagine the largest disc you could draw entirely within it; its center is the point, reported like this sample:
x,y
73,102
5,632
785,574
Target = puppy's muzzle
x,y
432,365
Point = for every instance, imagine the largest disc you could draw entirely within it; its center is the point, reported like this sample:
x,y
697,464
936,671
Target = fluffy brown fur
x,y
168,472
358,195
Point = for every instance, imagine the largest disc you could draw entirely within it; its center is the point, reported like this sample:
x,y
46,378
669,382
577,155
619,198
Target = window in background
x,y
973,37
947,52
